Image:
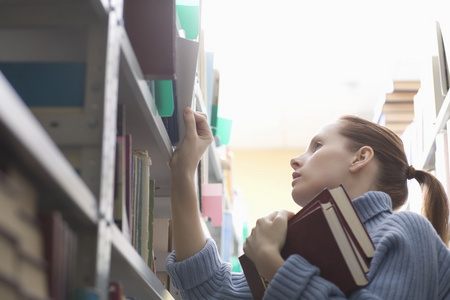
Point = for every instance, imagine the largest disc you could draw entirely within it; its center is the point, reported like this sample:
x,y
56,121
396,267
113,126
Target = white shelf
x,y
142,119
42,158
128,268
429,145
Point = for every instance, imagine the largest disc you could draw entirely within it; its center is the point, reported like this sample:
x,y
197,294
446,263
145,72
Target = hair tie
x,y
411,173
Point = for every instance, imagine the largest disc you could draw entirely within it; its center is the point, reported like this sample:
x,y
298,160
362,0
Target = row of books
x,y
23,269
134,209
115,292
134,203
38,248
134,197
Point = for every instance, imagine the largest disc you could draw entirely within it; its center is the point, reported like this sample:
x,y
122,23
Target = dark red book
x,y
115,291
329,234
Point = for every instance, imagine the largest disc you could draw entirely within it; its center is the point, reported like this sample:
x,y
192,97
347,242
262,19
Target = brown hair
x,y
394,170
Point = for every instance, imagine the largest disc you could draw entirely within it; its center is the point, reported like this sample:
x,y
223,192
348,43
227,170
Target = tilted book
x,y
329,234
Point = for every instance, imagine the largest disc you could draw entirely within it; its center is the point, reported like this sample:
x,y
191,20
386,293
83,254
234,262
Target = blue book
x,y
47,84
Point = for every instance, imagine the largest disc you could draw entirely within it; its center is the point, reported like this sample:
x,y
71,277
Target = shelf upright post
x,y
98,160
109,148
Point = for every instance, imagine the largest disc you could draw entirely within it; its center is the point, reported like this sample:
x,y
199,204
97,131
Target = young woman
x,y
411,259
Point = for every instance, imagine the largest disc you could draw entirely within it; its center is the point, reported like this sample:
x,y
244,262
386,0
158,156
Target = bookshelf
x,y
128,268
426,137
22,132
68,153
143,121
426,160
432,103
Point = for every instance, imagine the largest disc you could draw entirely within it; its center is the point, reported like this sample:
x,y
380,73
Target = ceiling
x,y
289,66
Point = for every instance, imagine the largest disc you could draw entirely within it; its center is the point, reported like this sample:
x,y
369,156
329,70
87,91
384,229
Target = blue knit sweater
x,y
410,262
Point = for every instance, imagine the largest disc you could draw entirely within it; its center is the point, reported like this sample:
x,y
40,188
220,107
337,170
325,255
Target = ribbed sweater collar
x,y
372,204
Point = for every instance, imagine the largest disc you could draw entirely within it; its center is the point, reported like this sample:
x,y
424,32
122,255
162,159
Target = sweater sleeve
x,y
206,276
298,279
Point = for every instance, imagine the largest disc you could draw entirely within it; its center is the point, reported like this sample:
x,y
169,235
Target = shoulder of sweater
x,y
412,237
407,220
408,226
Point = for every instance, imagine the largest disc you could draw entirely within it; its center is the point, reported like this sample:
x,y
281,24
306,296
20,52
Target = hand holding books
x,y
266,241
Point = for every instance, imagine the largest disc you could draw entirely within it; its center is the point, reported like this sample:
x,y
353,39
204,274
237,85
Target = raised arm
x,y
188,234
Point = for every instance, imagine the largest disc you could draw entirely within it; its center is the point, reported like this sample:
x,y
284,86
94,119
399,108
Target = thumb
x,y
189,120
289,214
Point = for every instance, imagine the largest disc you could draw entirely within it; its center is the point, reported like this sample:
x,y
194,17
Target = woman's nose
x,y
295,162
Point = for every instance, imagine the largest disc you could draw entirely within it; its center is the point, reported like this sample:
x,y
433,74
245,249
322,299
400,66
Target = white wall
x,y
264,179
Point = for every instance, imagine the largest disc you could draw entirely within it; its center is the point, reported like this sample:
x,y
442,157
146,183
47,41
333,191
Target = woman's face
x,y
325,164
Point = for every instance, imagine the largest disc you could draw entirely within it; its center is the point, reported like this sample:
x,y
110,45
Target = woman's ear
x,y
362,158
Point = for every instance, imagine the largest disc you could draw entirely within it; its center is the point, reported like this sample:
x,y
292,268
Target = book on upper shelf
x,y
443,61
140,207
120,189
329,234
47,84
61,250
151,28
115,291
23,267
186,73
183,88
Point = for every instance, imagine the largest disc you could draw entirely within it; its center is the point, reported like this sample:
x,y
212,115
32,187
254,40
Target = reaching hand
x,y
264,244
198,137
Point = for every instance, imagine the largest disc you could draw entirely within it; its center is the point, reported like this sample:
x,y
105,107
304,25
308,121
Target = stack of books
x,y
329,234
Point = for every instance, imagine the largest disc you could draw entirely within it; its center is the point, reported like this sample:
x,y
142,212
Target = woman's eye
x,y
316,146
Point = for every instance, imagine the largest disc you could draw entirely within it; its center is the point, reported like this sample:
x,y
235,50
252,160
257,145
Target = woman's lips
x,y
295,176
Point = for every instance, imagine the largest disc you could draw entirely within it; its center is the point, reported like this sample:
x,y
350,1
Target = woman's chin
x,y
302,202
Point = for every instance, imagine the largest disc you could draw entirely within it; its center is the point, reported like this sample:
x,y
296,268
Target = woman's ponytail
x,y
435,203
